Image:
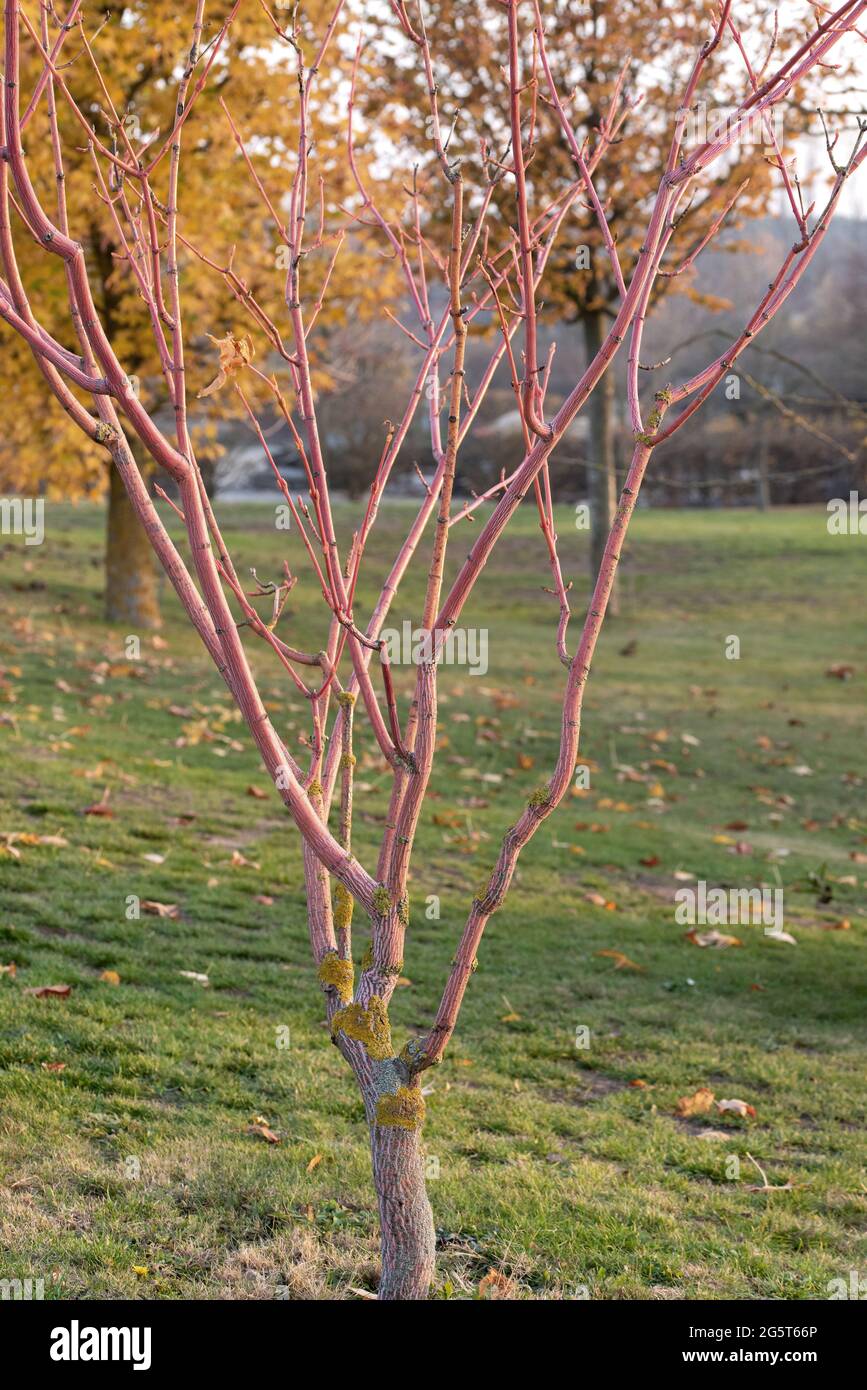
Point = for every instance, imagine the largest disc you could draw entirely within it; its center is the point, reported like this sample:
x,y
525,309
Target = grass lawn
x,y
128,1165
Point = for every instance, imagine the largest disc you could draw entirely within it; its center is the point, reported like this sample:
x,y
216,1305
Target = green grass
x,y
552,1167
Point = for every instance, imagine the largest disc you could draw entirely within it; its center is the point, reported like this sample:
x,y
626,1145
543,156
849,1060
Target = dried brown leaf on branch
x,y
235,354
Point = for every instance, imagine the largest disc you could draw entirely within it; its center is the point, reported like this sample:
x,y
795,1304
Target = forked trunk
x,y
406,1220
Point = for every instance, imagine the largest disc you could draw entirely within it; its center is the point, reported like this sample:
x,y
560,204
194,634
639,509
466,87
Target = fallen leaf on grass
x,y
650,861
314,1162
240,861
844,925
264,898
599,901
697,1104
155,909
194,975
495,1284
737,1107
101,807
717,939
621,962
110,977
257,793
50,991
10,969
53,1066
842,670
781,936
264,1133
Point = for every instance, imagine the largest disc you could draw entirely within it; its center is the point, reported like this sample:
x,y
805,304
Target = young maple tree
x,y
351,672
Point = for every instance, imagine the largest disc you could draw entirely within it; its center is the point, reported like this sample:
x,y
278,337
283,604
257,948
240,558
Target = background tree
x,y
642,49
141,50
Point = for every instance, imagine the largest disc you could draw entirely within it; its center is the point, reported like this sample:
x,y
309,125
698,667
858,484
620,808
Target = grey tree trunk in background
x,y
601,460
131,593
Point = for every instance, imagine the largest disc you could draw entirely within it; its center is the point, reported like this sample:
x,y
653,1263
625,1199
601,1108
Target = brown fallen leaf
x,y
10,969
240,861
495,1284
621,962
599,901
697,1104
264,1133
843,925
50,991
314,1162
110,977
717,939
257,793
842,670
649,861
737,1107
640,1085
264,898
155,909
53,1066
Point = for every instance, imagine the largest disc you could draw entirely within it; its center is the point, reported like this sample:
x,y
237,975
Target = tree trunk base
x,y
406,1219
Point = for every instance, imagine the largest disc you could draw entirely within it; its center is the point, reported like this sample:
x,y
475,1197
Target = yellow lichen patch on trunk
x,y
339,974
343,902
369,1026
405,1108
